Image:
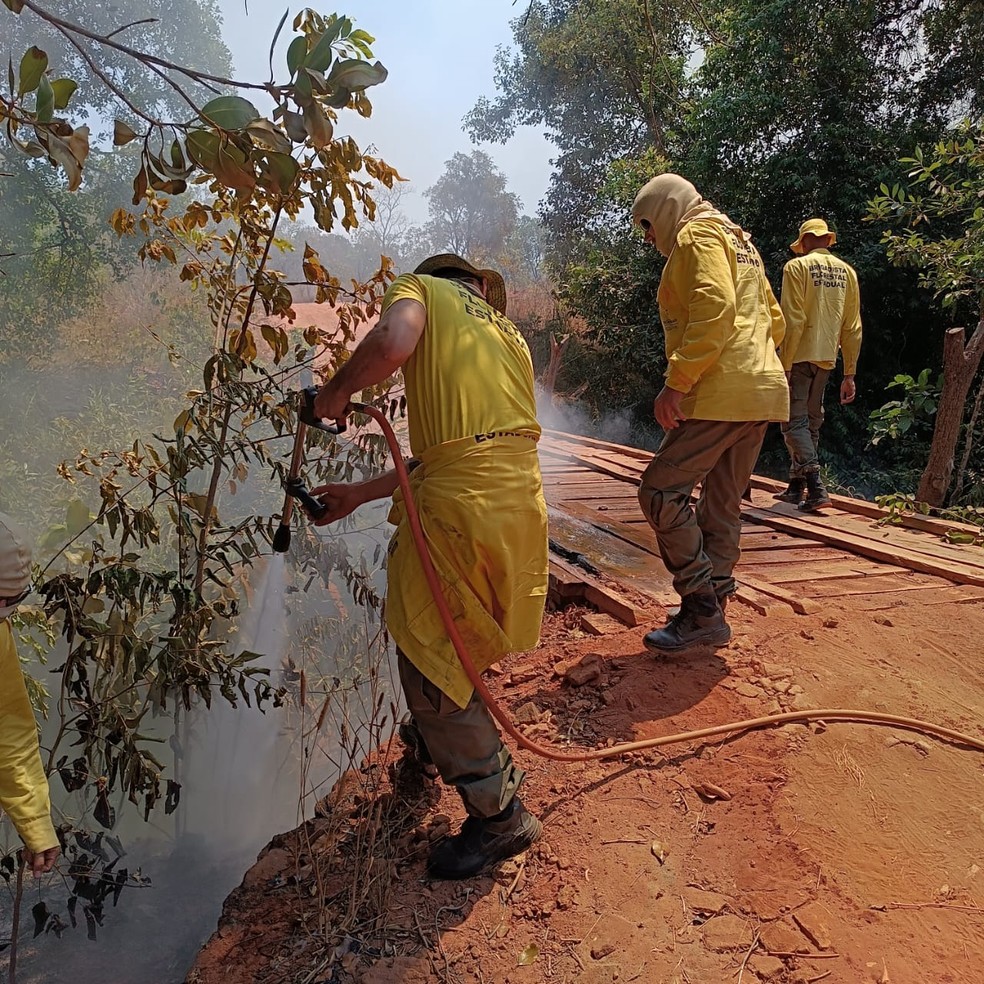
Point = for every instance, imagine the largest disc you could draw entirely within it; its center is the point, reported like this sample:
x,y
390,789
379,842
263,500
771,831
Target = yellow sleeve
x,y
778,329
23,785
794,310
406,286
703,275
850,336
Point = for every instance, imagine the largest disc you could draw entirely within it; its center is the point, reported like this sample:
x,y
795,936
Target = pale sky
x,y
439,54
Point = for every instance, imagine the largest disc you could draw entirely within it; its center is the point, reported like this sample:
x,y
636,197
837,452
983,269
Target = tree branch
x,y
140,56
106,80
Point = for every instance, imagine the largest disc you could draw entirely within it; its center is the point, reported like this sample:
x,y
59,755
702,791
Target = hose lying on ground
x,y
826,714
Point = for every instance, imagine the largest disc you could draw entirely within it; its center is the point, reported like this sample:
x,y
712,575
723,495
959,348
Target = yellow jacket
x,y
822,305
23,785
722,325
472,421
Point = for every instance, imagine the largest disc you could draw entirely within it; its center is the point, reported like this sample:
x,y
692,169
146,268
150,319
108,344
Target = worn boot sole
x,y
792,500
713,638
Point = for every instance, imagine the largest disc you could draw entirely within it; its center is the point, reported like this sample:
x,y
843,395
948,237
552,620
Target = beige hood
x,y
667,203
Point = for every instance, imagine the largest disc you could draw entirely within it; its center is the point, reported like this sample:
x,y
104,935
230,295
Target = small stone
x,y
812,919
566,897
747,690
524,673
725,933
705,903
587,670
795,689
527,713
774,707
830,623
776,671
884,620
783,937
602,950
806,635
781,686
768,968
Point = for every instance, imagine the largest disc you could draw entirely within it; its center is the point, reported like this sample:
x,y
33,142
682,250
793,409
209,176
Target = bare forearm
x,y
381,487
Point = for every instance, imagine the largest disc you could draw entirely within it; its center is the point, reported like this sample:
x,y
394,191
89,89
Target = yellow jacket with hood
x,y
721,320
23,785
822,306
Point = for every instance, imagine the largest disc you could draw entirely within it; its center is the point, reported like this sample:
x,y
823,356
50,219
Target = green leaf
x,y
203,148
32,67
45,106
322,54
232,167
64,89
278,172
294,123
122,134
356,74
230,112
295,54
77,518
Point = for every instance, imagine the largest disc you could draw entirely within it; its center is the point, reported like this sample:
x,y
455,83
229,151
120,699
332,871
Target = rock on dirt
x,y
728,932
586,670
813,920
705,903
783,937
765,967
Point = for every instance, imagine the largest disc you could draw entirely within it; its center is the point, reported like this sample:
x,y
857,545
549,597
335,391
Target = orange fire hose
x,y
614,751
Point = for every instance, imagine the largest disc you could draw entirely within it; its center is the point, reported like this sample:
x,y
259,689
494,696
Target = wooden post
x,y
960,365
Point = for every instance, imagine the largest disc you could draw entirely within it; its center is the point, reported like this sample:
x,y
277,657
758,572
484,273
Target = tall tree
x,y
471,211
605,78
942,236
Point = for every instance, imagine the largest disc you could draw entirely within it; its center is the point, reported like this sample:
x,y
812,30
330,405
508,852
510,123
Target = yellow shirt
x,y
722,325
822,305
471,372
24,793
472,418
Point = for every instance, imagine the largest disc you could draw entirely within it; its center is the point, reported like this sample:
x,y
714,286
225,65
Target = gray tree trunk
x,y
960,365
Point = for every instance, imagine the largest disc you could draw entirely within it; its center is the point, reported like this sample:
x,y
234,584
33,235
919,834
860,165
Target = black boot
x,y
816,494
483,842
700,622
795,492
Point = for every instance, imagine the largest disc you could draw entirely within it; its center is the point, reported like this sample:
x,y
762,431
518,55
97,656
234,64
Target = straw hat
x,y
495,289
816,226
15,563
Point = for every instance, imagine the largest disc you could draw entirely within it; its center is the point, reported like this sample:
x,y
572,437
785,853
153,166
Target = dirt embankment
x,y
842,854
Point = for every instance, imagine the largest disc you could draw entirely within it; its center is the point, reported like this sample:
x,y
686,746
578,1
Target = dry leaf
x,y
659,851
529,955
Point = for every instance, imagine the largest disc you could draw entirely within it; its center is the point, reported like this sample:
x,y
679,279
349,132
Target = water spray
x,y
295,490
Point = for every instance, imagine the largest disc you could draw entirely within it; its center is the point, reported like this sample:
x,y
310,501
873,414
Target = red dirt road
x,y
845,854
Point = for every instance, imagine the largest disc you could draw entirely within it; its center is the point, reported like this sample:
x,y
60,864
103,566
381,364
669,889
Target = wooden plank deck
x,y
788,558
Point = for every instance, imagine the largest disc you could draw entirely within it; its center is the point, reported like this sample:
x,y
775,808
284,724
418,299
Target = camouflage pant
x,y
802,433
700,546
463,743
